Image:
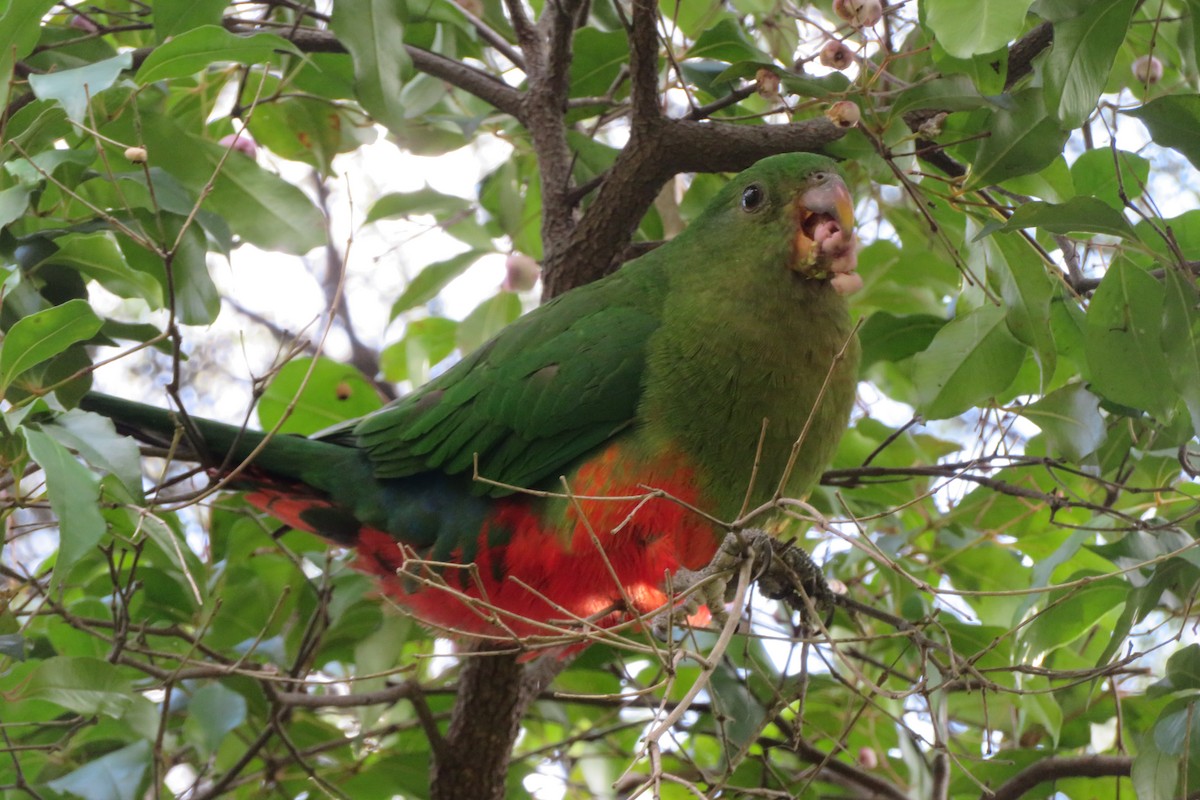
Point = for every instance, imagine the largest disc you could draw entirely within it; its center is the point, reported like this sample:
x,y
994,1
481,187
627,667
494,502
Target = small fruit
x,y
84,24
766,83
1147,69
835,54
932,127
859,13
240,142
844,114
135,155
520,273
845,283
867,759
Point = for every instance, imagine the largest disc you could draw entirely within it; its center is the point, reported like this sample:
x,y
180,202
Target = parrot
x,y
556,477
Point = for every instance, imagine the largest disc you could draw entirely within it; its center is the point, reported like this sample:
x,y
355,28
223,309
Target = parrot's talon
x,y
782,571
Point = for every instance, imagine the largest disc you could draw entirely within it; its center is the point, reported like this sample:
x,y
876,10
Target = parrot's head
x,y
804,216
824,243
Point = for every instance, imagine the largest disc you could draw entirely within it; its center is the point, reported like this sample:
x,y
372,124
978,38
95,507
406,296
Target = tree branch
x,y
643,63
544,104
1049,769
473,81
657,150
728,147
1024,50
494,690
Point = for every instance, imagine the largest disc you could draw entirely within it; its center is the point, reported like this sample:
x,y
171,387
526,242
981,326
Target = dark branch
x,y
473,81
1050,769
493,692
1024,50
728,147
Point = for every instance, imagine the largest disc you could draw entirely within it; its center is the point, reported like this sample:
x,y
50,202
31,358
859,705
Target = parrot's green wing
x,y
560,381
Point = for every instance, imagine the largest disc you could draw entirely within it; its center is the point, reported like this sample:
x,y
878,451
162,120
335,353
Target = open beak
x,y
832,198
824,241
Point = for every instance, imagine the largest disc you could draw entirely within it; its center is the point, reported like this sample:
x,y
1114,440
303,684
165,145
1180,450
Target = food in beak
x,y
825,245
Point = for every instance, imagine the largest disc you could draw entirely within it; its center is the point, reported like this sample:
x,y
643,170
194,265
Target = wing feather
x,y
548,389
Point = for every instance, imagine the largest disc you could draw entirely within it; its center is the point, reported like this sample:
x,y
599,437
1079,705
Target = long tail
x,y
215,444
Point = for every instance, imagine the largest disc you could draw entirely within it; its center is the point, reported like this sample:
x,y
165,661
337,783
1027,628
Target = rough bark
x,y
494,691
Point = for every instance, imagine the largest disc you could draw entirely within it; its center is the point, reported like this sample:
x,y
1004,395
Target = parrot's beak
x,y
825,241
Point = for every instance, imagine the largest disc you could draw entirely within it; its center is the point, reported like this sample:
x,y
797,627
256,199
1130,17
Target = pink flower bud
x,y
837,55
520,273
1147,69
859,13
844,114
84,24
845,283
240,142
766,83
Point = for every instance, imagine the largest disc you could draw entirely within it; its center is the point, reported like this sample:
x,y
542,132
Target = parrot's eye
x,y
753,197
819,177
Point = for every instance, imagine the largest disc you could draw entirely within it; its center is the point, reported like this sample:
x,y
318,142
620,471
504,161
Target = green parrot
x,y
561,472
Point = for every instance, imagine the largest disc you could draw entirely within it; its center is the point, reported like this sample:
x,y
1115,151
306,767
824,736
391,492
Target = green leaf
x,y
83,685
196,299
74,87
969,361
426,342
401,205
95,438
74,494
373,30
1082,57
20,29
1077,215
1181,340
1123,343
12,645
732,698
726,41
1189,39
334,393
213,713
192,51
1173,120
1095,173
259,206
431,280
1154,774
969,27
97,256
1183,667
1070,613
35,128
985,72
175,17
43,335
598,59
955,93
1042,706
888,337
14,201
1024,140
119,775
487,319
1016,270
1070,419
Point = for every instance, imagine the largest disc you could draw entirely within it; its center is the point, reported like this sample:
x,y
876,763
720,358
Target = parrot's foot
x,y
782,570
